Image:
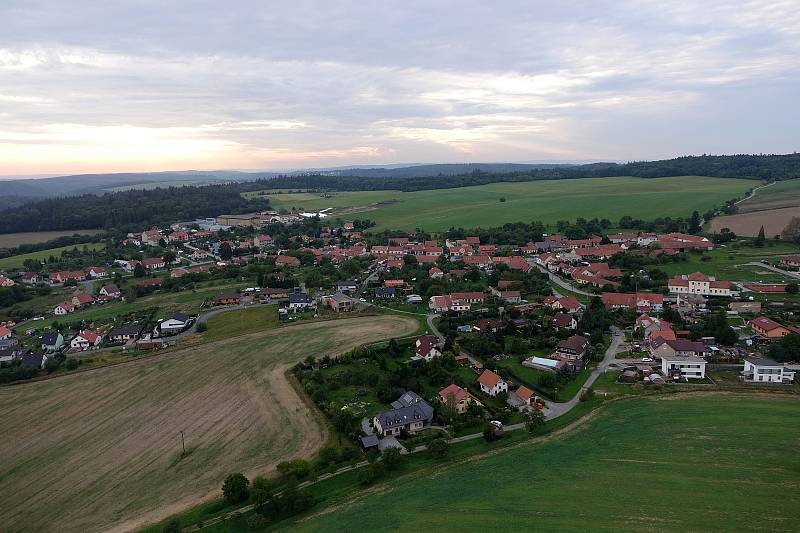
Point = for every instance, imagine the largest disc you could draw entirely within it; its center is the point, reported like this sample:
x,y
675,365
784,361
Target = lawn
x,y
101,450
692,463
547,201
18,261
530,376
12,240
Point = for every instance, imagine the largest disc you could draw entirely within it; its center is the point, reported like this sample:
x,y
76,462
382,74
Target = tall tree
x,y
695,223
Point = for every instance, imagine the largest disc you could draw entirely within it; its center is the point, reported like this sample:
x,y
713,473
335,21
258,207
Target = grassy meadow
x,y
18,261
777,195
101,450
730,263
698,463
547,201
11,240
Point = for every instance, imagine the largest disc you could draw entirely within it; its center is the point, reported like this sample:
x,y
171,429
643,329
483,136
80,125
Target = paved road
x,y
554,410
774,269
558,280
433,329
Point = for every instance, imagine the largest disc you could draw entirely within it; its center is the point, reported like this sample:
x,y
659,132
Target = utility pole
x,y
183,444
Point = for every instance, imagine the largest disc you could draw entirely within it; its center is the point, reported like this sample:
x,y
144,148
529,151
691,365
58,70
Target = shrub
x,y
392,458
235,488
296,468
439,448
201,327
173,525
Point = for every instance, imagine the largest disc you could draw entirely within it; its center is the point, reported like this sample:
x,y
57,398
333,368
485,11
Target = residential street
x,y
558,280
774,269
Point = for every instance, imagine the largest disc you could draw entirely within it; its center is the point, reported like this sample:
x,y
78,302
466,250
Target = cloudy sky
x,y
102,86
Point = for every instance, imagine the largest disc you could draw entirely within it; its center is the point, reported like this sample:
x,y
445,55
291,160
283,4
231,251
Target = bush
x,y
296,468
439,448
71,364
256,521
173,525
235,488
392,458
201,327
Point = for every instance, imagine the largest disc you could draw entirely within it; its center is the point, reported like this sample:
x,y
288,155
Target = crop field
x,y
546,201
692,463
11,240
101,450
18,261
730,263
749,224
775,196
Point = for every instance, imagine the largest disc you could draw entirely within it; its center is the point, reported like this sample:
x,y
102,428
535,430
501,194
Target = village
x,y
515,330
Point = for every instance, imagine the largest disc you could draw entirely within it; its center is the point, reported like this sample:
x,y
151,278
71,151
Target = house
x,y
369,442
5,333
227,299
110,291
6,281
286,261
564,321
662,348
298,301
477,261
274,293
409,413
643,302
64,276
150,283
427,348
124,334
153,263
683,367
513,297
341,303
522,397
82,299
457,397
766,371
151,237
766,327
33,360
435,273
147,342
394,283
52,341
30,278
791,261
178,236
97,272
572,349
173,323
483,325
384,293
85,339
765,288
64,308
9,350
347,286
492,384
566,303
699,283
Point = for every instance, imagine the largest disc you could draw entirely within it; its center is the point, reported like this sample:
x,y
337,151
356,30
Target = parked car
x,y
647,359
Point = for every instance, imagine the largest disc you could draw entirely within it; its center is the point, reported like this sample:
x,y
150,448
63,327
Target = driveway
x,y
554,410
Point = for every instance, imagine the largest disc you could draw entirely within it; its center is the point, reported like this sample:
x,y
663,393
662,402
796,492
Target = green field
x,y
777,195
730,263
18,261
546,201
10,240
241,322
702,463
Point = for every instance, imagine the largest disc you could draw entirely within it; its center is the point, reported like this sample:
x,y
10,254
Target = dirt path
x,y
100,450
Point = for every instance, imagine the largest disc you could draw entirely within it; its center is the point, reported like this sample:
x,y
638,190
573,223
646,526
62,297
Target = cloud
x,y
113,86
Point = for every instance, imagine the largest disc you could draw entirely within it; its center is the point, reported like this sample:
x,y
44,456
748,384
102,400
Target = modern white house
x,y
766,371
687,367
174,323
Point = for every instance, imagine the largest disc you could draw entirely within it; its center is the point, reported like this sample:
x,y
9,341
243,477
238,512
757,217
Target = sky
x,y
100,86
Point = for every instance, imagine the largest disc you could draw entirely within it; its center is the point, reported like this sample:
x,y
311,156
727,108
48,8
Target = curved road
x,y
558,280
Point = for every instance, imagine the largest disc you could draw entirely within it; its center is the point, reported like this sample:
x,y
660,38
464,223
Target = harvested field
x,y
101,450
748,224
774,196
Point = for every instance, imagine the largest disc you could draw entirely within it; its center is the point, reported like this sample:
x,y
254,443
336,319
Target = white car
x,y
647,359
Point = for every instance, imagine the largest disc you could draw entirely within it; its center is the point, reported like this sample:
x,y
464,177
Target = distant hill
x,y
446,169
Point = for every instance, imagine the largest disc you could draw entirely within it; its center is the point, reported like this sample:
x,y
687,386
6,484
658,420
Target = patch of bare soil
x,y
749,224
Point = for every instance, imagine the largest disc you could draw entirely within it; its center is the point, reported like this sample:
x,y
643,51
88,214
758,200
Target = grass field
x,y
11,240
729,263
697,463
17,261
100,450
240,322
547,201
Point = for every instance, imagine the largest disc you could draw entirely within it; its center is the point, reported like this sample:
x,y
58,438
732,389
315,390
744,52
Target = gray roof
x,y
177,315
369,441
762,362
300,298
32,360
50,338
406,415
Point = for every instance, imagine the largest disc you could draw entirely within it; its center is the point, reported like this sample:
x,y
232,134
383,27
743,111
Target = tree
x,y
439,448
201,327
225,251
792,230
489,432
695,223
761,239
173,525
139,271
792,287
169,257
262,494
534,420
392,458
235,488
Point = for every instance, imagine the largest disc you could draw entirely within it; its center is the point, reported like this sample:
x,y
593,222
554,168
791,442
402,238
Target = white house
x,y
63,308
174,323
427,348
688,367
766,371
699,283
85,339
299,301
492,384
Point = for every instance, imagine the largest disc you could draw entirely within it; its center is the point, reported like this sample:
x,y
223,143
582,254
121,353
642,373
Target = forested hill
x,y
128,210
766,167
